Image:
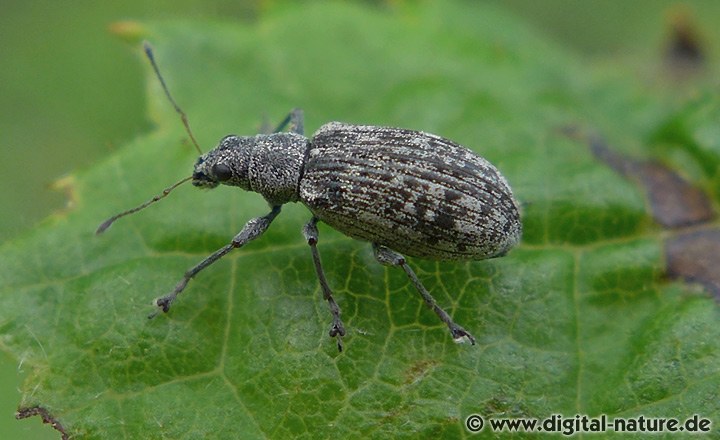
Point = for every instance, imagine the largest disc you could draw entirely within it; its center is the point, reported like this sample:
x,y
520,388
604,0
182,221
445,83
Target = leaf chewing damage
x,y
693,257
24,413
675,203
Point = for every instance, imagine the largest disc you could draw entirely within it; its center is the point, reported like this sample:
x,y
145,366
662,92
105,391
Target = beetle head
x,y
225,164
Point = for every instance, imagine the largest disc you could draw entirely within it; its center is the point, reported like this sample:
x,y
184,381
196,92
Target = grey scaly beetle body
x,y
404,191
413,192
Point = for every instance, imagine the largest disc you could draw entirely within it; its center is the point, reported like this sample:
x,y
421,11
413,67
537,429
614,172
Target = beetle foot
x,y
458,333
337,331
163,304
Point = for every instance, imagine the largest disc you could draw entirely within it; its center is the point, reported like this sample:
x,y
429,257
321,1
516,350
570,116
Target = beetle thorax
x,y
269,164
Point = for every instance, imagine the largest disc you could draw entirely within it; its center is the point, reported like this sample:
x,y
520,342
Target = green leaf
x,y
579,319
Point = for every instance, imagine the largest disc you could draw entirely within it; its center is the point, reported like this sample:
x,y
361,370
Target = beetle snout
x,y
202,180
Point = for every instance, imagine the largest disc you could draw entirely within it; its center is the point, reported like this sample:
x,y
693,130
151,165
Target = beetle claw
x,y
458,333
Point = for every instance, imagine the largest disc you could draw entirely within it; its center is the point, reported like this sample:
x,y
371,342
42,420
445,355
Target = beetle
x,y
406,192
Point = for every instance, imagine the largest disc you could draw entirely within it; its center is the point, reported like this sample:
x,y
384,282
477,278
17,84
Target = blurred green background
x,y
72,92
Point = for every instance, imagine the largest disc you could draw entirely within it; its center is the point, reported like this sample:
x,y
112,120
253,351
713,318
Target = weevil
x,y
406,192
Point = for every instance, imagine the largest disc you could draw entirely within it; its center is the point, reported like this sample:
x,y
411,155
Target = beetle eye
x,y
222,172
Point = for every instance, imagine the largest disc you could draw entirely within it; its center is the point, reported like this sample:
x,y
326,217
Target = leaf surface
x,y
579,319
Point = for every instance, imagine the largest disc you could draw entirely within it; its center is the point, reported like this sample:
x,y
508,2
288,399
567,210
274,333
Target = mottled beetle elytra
x,y
406,192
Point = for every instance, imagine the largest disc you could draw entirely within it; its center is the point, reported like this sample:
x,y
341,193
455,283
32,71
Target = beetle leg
x,y
252,230
294,120
337,329
388,257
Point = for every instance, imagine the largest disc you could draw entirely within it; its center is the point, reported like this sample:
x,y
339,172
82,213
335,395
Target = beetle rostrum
x,y
406,192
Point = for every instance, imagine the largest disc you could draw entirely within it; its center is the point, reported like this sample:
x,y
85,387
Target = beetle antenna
x,y
106,224
149,52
